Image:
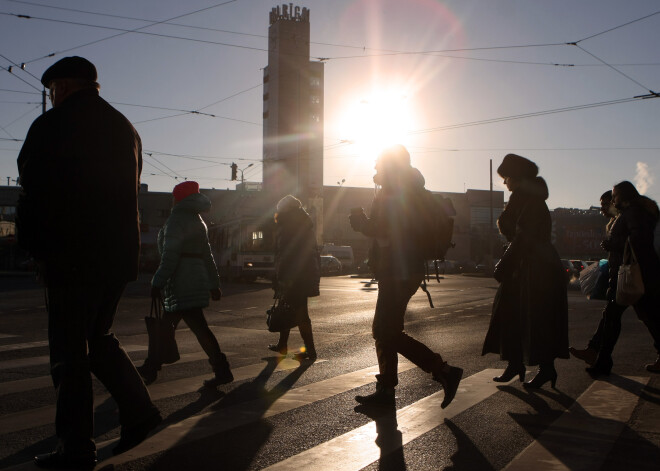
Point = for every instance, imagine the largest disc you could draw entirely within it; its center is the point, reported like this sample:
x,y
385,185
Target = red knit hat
x,y
182,190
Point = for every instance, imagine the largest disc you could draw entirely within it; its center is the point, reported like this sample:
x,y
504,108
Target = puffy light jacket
x,y
187,271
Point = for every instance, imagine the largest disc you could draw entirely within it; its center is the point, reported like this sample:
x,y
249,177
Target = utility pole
x,y
43,101
490,227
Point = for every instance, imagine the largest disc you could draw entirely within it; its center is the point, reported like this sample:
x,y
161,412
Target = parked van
x,y
344,253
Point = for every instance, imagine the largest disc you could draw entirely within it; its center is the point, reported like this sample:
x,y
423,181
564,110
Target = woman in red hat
x,y
186,276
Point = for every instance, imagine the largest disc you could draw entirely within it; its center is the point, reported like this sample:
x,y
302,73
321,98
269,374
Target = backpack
x,y
434,232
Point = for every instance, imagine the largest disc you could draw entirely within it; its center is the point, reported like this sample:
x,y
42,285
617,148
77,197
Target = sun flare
x,y
377,121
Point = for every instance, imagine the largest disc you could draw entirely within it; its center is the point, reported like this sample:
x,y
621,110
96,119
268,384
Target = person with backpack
x,y
529,324
397,261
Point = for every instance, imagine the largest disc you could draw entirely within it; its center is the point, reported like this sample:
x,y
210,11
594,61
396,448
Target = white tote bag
x,y
630,286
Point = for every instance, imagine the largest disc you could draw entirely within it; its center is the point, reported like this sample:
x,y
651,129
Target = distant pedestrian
x,y
398,265
589,354
529,324
186,277
78,216
636,223
297,270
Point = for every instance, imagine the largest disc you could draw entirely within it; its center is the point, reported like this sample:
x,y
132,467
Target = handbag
x,y
281,316
162,344
630,285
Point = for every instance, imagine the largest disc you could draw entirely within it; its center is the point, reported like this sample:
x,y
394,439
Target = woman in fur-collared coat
x,y
529,324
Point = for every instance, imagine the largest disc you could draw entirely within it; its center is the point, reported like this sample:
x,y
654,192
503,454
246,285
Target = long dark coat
x,y
297,261
530,310
80,173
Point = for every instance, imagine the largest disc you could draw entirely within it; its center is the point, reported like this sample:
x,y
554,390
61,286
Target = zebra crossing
x,y
580,438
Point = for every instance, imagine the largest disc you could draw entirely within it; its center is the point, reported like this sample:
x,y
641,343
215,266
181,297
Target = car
x,y
330,265
579,265
569,268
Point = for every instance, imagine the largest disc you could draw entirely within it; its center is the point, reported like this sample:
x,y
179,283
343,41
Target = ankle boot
x,y
449,376
512,370
588,355
383,396
546,373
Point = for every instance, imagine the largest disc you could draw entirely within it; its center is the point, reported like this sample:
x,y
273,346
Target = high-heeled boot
x,y
546,373
512,369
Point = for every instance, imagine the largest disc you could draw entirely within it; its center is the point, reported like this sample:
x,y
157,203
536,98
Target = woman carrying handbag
x,y
186,277
297,268
634,226
529,324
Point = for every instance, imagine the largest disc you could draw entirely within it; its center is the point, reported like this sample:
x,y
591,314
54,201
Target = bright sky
x,y
430,74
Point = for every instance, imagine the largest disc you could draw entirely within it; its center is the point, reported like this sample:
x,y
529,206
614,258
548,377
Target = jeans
x,y
81,309
387,329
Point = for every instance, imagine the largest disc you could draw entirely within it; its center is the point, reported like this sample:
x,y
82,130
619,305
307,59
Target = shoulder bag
x,y
630,285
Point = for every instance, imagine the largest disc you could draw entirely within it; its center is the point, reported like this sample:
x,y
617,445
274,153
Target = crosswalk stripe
x,y
581,438
37,417
21,346
44,359
211,423
356,449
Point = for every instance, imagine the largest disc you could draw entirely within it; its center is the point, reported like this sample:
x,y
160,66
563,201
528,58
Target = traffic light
x,y
234,169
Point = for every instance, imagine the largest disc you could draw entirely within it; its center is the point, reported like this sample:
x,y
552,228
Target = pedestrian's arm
x,y
211,268
169,259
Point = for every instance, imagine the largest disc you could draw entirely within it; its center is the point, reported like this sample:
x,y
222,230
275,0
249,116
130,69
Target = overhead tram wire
x,y
194,112
532,114
19,91
619,26
158,168
137,30
201,158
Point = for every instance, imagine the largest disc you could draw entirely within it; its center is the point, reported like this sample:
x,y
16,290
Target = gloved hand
x,y
357,221
216,294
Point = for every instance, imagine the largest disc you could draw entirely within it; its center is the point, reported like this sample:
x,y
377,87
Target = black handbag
x,y
162,344
281,316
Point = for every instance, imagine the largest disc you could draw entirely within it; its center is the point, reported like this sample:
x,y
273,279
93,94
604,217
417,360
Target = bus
x,y
243,248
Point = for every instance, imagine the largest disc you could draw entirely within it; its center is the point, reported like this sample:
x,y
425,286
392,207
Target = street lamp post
x,y
242,178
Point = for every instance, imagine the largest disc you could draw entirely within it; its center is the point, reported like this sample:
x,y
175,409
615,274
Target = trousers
x,y
388,330
81,309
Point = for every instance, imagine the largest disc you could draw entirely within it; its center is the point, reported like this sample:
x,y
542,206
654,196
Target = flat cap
x,y
70,67
517,166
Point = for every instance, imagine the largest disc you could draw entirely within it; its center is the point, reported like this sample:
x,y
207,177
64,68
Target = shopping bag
x,y
630,285
594,280
280,316
162,344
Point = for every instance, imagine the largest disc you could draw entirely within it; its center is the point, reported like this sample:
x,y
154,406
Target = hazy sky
x,y
430,74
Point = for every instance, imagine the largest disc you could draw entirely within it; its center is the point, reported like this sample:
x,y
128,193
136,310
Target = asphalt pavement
x,y
282,414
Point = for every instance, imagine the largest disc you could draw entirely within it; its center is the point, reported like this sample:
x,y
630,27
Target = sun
x,y
377,121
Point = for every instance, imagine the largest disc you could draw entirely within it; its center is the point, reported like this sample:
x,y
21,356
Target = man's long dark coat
x,y
80,172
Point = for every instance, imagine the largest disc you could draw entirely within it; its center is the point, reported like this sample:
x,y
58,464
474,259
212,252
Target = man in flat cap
x,y
79,169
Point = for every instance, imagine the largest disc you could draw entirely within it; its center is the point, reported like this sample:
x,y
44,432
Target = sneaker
x,y
654,367
449,377
221,377
132,436
276,348
383,396
588,355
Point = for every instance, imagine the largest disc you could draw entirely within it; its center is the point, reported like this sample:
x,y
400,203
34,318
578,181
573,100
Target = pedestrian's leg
x,y
197,323
648,311
611,331
113,367
305,327
68,309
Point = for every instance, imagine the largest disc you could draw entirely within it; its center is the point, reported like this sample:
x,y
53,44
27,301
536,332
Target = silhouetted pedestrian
x,y
185,278
78,216
636,223
529,324
297,270
398,265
